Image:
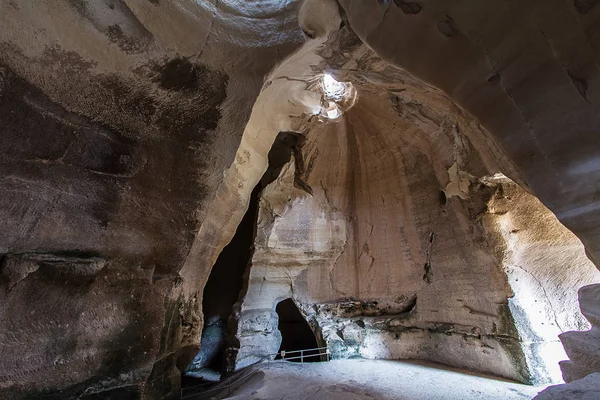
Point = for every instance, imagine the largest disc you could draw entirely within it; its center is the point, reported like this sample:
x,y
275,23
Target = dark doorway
x,y
296,333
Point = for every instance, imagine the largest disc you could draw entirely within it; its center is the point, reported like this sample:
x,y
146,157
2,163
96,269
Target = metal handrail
x,y
298,351
220,387
282,353
302,356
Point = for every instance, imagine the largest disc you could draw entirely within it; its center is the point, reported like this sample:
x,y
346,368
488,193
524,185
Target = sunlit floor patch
x,y
376,379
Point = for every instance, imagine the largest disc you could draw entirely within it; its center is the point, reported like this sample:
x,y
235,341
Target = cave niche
x,y
296,333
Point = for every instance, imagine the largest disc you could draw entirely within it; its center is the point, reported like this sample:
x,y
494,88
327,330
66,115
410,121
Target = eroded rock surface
x,y
527,72
404,240
583,348
124,173
587,388
117,120
475,53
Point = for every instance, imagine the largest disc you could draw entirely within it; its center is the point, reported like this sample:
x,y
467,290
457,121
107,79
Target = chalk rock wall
x,y
292,100
398,238
117,121
494,59
545,265
586,388
527,72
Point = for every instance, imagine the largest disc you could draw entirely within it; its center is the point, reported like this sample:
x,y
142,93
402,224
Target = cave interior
x,y
191,187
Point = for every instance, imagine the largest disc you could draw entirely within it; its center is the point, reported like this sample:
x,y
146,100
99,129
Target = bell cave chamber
x,y
195,191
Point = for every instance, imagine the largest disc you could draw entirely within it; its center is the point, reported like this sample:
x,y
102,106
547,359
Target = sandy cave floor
x,y
376,379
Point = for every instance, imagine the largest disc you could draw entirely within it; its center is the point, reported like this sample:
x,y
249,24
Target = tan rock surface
x,y
117,120
405,246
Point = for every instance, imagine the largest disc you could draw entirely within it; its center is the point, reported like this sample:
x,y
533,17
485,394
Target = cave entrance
x,y
221,292
228,278
296,333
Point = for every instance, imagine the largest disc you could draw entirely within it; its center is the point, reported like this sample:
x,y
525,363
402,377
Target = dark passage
x,y
296,334
226,284
222,290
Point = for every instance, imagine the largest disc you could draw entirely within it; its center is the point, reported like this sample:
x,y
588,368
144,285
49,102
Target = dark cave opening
x,y
227,281
222,291
296,333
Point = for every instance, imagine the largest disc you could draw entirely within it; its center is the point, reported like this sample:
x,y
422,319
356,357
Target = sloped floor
x,y
375,379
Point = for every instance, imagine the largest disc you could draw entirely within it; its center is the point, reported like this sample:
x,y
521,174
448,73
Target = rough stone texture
x,y
528,72
117,120
389,232
587,388
545,264
292,100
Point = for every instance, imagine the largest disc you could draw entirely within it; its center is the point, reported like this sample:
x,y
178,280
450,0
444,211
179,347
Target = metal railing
x,y
321,351
223,386
219,388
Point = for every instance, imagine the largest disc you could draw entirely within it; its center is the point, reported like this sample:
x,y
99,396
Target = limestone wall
x,y
406,241
117,121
